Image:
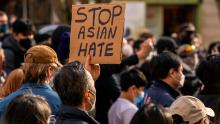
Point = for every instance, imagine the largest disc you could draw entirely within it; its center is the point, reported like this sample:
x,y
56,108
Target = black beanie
x,y
56,36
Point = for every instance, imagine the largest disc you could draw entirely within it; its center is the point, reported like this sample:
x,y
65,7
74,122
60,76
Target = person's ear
x,y
86,93
133,88
85,99
171,72
50,72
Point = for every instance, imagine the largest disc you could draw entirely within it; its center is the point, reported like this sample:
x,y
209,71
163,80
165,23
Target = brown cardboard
x,y
102,33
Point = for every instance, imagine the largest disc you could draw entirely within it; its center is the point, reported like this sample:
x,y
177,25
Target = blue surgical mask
x,y
139,99
3,28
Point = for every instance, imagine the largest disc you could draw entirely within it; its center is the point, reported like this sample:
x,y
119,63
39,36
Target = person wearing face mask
x,y
16,44
75,86
168,77
132,84
3,25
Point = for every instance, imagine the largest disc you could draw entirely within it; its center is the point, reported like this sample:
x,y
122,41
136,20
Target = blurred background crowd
x,y
169,71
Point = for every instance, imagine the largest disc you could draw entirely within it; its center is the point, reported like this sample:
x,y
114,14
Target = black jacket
x,y
73,115
14,54
210,96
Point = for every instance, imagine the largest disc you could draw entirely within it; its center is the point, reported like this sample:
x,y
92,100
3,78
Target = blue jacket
x,y
160,93
41,89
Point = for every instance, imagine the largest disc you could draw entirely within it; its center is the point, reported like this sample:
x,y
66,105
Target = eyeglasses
x,y
92,92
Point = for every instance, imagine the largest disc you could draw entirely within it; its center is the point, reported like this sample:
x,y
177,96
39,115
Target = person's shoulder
x,y
159,96
7,42
160,92
124,104
46,91
50,94
155,89
72,121
11,96
5,101
77,120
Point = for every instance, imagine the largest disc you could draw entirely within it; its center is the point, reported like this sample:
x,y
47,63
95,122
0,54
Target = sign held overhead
x,y
97,30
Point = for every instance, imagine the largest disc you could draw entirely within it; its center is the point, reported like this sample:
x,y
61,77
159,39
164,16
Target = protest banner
x,y
97,30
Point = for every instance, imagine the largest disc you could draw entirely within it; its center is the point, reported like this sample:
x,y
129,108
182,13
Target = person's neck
x,y
46,81
83,107
126,96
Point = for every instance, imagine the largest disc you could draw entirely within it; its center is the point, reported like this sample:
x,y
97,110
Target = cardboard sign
x,y
97,30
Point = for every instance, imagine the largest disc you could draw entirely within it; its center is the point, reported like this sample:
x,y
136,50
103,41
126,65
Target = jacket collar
x,y
10,42
169,89
31,85
69,112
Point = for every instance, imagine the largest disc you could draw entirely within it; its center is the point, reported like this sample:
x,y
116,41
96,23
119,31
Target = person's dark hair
x,y
161,64
2,13
70,82
212,46
177,119
56,36
146,35
63,48
132,77
152,114
208,70
192,85
23,26
137,44
27,109
166,44
41,38
187,26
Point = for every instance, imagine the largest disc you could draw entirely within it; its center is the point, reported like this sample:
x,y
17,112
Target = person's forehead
x,y
3,19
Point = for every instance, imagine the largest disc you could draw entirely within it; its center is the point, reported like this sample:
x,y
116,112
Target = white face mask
x,y
182,81
92,103
127,50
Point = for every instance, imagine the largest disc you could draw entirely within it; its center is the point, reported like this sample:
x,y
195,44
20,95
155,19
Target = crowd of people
x,y
165,80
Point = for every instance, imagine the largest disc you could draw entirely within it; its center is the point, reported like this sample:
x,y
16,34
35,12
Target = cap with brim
x,y
41,54
210,112
191,109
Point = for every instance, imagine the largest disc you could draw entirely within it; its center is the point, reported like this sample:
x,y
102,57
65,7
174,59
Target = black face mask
x,y
25,43
3,28
188,37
